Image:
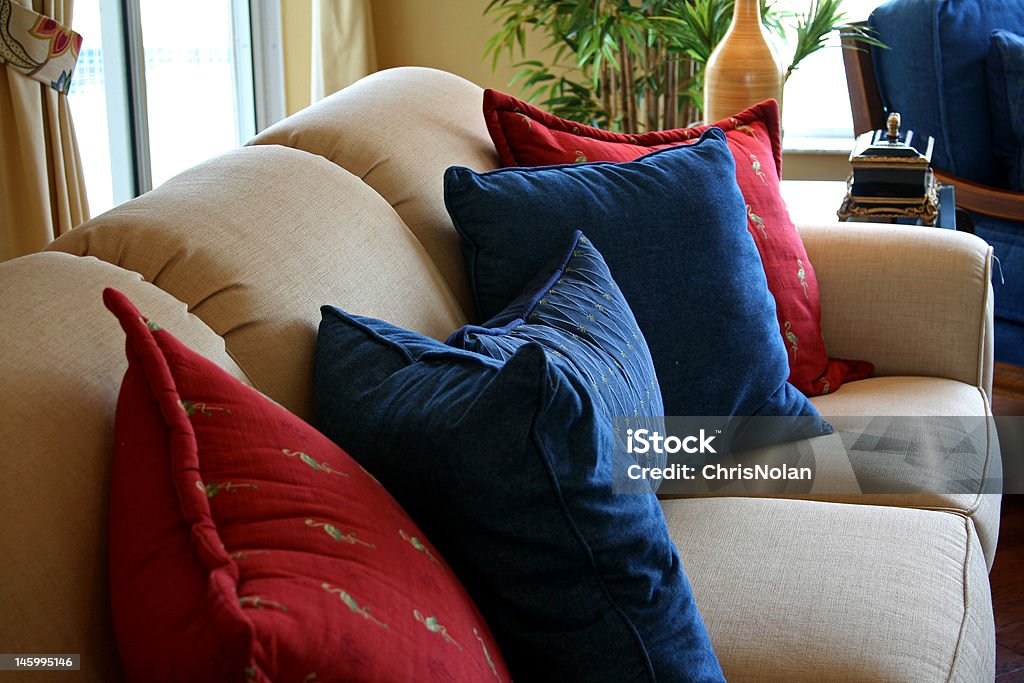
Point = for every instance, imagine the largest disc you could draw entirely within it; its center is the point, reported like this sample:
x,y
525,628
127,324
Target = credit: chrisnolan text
x,y
717,472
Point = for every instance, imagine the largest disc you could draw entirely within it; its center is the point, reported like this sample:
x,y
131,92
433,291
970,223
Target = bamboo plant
x,y
638,65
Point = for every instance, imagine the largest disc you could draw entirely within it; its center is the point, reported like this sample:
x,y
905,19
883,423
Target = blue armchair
x,y
951,78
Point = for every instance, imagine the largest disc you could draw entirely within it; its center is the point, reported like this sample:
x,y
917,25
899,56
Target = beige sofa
x,y
342,204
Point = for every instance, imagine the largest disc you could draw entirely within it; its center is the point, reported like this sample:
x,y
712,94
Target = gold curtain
x,y
343,45
42,187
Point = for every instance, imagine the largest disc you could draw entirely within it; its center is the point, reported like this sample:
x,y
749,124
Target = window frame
x,y
258,80
828,139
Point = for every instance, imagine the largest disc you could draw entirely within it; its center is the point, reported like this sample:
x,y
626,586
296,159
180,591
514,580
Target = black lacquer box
x,y
891,176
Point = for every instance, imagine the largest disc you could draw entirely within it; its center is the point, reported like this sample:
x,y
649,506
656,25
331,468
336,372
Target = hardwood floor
x,y
1007,577
1007,580
1008,390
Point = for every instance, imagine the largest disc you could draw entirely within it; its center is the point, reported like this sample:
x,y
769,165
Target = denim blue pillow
x,y
574,309
507,466
672,227
1004,67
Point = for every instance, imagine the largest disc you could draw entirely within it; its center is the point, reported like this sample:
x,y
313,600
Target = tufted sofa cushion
x,y
399,130
256,240
63,364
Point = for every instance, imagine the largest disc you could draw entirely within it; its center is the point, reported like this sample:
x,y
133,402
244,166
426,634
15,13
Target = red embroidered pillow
x,y
246,546
527,136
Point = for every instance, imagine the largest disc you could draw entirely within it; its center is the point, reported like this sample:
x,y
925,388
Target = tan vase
x,y
743,70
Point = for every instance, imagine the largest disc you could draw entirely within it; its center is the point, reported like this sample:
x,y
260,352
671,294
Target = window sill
x,y
819,145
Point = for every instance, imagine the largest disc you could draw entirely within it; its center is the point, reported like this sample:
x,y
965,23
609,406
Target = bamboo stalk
x,y
629,90
626,91
613,90
606,88
688,109
671,95
656,92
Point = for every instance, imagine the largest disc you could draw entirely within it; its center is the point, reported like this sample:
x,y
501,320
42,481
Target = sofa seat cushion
x,y
877,457
928,397
806,591
898,396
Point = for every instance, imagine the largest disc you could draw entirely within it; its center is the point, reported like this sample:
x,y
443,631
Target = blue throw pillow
x,y
1004,66
507,466
574,309
672,226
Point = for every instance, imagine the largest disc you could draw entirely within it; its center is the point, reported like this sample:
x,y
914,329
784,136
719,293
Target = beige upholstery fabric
x,y
929,396
63,359
801,591
912,300
256,241
399,130
843,474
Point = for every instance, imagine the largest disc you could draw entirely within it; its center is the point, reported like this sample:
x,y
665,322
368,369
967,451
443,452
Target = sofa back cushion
x,y
255,241
933,74
399,130
63,361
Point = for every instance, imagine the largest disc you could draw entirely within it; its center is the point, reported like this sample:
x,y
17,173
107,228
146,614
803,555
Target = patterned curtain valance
x,y
38,46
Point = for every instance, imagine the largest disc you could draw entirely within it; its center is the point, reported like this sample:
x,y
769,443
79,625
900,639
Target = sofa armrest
x,y
912,300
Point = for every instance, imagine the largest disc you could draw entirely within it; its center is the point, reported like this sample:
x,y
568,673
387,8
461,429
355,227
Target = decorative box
x,y
891,176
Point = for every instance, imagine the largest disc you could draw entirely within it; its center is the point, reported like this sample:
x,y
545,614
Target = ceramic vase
x,y
743,70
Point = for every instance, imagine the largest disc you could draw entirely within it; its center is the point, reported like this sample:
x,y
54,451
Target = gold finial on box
x,y
893,124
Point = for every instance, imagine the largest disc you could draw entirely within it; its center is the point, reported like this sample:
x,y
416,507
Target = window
x,y
816,108
164,84
89,108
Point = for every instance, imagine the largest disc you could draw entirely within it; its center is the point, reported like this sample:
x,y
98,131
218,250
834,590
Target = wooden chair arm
x,y
990,201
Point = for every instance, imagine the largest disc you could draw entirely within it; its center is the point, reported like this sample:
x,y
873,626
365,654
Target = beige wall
x,y
297,38
444,34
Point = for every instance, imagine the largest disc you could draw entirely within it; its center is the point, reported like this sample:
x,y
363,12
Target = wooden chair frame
x,y
869,114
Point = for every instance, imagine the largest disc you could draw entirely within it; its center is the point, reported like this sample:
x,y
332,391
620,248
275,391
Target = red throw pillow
x,y
246,546
527,136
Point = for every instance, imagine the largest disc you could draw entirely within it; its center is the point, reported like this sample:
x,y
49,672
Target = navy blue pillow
x,y
574,309
508,467
1004,66
672,226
